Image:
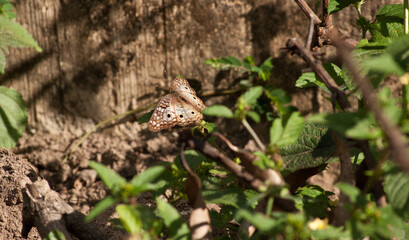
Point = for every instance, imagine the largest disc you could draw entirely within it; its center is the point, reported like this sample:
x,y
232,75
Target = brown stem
x,y
347,175
294,45
308,11
397,142
327,19
211,152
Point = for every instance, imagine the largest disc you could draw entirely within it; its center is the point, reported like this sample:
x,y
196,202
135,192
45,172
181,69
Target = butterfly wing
x,y
164,115
183,89
186,114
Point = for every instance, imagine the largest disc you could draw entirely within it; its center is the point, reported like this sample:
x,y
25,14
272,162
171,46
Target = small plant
x,y
13,112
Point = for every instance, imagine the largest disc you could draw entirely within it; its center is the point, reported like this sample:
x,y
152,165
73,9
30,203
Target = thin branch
x,y
310,34
406,7
326,18
254,135
294,45
308,11
347,176
74,147
220,92
395,137
269,176
211,152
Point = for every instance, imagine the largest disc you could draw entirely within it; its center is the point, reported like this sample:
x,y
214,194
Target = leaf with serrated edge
x,y
313,148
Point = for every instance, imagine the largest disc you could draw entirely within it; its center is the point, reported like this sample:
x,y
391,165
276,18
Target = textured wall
x,y
104,57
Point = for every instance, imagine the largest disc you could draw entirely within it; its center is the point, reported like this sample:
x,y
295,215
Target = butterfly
x,y
182,107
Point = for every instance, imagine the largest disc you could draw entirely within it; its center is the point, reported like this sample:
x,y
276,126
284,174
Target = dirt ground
x,y
128,149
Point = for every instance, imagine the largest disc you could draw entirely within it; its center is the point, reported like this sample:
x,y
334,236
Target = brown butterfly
x,y
182,107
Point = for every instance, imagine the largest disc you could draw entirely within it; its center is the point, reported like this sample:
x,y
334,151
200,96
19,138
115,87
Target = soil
x,y
128,149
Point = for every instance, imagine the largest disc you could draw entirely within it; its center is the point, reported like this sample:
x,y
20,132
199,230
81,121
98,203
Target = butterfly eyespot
x,y
193,112
181,116
168,115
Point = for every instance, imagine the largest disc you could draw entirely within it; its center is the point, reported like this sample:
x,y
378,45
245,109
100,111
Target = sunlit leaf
x,y
13,117
101,206
218,111
178,229
110,178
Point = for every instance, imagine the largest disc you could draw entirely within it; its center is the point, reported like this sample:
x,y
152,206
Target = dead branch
x,y
295,47
341,214
44,209
397,142
308,11
199,220
325,27
269,176
211,152
241,172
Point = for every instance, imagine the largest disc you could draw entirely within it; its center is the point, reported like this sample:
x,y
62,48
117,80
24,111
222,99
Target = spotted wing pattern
x,y
164,115
183,89
172,110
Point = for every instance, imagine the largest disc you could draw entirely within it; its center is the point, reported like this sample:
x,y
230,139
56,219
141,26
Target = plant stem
x,y
253,134
405,86
100,124
404,103
406,8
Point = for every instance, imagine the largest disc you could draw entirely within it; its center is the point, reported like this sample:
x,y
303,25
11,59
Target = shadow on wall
x,y
269,22
76,90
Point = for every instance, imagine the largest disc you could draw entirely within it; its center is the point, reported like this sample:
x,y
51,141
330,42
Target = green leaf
x,y
310,79
13,117
211,127
276,130
178,229
354,194
341,121
145,117
250,97
110,178
13,34
193,158
313,148
55,235
365,129
225,63
366,49
394,60
218,111
231,196
234,61
337,5
130,218
147,176
265,69
279,97
292,130
260,221
388,23
7,7
101,206
314,200
330,233
253,115
397,191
